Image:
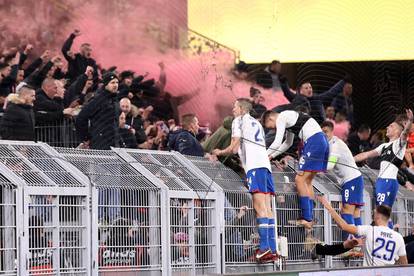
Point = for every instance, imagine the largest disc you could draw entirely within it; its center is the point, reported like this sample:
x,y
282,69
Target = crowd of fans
x,y
124,109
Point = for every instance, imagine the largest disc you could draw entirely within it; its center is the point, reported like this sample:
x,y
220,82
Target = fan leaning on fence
x,y
248,140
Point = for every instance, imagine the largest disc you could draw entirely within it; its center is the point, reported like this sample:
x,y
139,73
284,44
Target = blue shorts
x,y
315,154
260,181
386,190
353,192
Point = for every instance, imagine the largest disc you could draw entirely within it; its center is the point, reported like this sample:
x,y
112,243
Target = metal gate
x,y
10,230
129,224
55,217
240,237
194,217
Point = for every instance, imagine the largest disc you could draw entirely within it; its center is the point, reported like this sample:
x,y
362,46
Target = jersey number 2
x,y
256,136
389,247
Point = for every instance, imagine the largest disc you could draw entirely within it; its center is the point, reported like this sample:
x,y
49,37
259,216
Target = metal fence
x,y
54,218
240,237
88,212
59,134
194,211
129,224
8,227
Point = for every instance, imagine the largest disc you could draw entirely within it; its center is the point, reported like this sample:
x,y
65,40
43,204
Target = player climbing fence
x,y
87,212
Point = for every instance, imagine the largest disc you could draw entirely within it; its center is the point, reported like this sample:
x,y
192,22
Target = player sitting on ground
x,y
248,140
342,162
314,155
382,245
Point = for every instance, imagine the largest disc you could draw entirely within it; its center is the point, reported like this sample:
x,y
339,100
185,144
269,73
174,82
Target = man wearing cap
x,y
102,113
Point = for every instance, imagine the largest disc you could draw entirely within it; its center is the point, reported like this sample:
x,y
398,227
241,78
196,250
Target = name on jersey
x,y
386,235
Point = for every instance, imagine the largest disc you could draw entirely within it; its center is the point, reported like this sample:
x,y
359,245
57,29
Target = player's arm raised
x,y
231,149
407,125
365,155
337,218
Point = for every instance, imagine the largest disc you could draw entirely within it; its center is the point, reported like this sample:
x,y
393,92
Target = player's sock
x,y
358,221
350,220
271,235
305,207
263,228
390,224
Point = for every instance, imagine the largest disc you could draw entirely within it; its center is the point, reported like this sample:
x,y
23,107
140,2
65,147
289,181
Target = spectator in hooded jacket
x,y
78,62
103,113
18,119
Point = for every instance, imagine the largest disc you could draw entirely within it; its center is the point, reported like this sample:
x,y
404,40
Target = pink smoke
x,y
137,35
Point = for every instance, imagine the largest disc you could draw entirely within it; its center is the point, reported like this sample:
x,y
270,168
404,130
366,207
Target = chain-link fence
x,y
90,212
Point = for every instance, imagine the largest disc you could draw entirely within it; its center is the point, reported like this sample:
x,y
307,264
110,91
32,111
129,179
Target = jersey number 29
x,y
389,247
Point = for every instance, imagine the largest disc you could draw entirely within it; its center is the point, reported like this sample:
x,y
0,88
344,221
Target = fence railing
x,y
87,212
60,134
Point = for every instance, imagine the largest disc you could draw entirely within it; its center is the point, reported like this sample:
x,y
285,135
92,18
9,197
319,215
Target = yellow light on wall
x,y
308,30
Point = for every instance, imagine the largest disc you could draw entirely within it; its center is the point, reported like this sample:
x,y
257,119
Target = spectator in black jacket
x,y
270,76
77,91
103,113
18,119
9,76
343,102
315,102
48,107
184,140
359,141
78,62
132,131
126,78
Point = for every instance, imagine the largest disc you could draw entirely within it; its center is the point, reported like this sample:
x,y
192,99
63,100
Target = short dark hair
x,y
254,91
275,61
364,128
302,108
327,124
3,65
384,210
187,119
300,85
266,116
